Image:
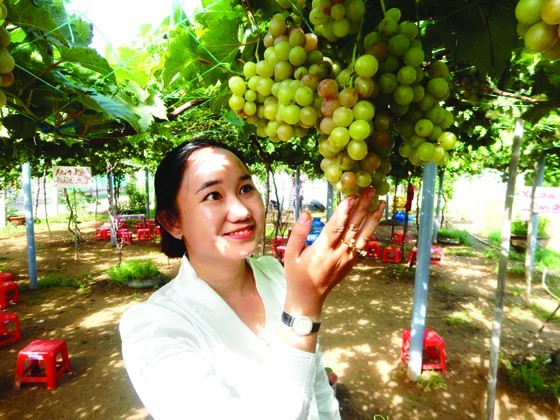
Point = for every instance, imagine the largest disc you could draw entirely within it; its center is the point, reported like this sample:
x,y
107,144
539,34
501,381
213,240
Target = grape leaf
x,y
90,59
481,33
182,57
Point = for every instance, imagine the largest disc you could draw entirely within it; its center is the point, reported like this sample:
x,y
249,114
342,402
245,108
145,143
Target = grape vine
x,y
359,108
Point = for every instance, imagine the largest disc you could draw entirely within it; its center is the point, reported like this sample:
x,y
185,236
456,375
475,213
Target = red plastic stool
x,y
143,234
125,236
8,293
412,255
433,351
397,238
9,328
373,249
4,277
279,247
391,255
436,255
157,230
103,233
43,365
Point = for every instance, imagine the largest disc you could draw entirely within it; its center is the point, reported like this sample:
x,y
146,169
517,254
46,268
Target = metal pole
x,y
422,272
147,179
330,199
29,224
112,213
296,198
502,270
438,206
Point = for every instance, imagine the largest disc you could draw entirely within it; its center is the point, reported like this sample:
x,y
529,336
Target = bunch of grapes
x,y
336,19
7,62
538,23
472,83
277,94
410,98
356,111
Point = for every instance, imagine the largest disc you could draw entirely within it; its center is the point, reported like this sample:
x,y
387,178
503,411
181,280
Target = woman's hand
x,y
313,271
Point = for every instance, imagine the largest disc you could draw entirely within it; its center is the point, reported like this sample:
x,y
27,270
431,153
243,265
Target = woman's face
x,y
221,213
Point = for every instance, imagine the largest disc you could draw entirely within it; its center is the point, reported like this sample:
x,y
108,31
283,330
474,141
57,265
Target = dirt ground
x,y
361,336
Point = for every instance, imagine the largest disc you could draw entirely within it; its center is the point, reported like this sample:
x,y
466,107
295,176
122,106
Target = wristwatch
x,y
302,325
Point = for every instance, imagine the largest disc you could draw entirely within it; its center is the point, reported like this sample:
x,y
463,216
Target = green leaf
x,y
45,15
182,57
481,33
89,59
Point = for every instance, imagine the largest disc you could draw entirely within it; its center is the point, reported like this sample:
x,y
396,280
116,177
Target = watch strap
x,y
289,321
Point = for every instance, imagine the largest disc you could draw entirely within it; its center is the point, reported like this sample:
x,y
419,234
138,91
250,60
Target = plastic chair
x,y
39,362
433,351
373,249
9,293
10,331
125,236
393,255
5,277
143,234
278,247
436,255
397,238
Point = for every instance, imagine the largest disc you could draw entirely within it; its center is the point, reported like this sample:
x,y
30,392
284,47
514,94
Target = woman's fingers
x,y
369,225
300,230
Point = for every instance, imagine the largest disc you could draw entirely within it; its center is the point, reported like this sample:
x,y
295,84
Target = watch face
x,y
302,325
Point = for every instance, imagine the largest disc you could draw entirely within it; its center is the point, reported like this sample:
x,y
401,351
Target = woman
x,y
233,336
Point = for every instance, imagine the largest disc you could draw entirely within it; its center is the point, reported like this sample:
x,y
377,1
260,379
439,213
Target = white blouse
x,y
189,355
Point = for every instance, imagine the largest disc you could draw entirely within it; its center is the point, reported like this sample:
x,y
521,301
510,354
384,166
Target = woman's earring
x,y
180,236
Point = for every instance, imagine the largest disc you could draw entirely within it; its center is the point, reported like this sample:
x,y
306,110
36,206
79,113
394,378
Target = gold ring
x,y
352,246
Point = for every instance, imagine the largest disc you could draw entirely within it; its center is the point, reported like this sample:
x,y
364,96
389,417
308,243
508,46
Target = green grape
x,y
264,69
403,95
249,108
297,56
345,162
236,102
348,97
237,85
363,179
359,130
249,69
297,37
366,66
327,125
343,116
408,28
290,115
277,25
341,28
282,50
425,151
355,10
308,116
285,132
414,57
388,82
399,44
437,87
363,110
423,127
447,140
264,86
406,75
438,69
340,136
357,149
304,96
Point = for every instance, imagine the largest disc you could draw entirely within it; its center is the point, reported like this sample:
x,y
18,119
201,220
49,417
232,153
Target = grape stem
x,y
383,8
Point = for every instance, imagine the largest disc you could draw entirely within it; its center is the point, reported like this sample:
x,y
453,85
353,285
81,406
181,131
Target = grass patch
x,y
539,377
133,270
543,314
431,380
460,319
462,252
54,280
457,235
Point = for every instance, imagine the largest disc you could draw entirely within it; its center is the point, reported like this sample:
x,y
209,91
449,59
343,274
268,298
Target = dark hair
x,y
167,182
